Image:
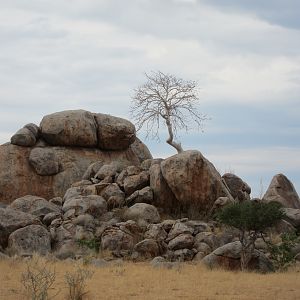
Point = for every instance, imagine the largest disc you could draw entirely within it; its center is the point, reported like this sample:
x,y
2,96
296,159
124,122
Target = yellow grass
x,y
141,281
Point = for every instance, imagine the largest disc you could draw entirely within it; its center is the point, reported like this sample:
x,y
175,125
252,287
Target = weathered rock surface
x,y
182,241
23,137
239,189
146,249
19,178
228,257
70,128
114,133
93,204
34,205
193,180
136,182
121,237
140,150
156,232
282,190
162,195
144,214
293,216
29,240
44,161
11,220
144,195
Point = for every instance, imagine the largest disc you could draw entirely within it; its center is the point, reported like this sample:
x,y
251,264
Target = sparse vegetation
x,y
251,218
93,244
76,282
37,279
282,254
141,281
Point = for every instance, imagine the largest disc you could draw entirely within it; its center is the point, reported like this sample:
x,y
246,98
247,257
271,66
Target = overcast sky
x,y
91,54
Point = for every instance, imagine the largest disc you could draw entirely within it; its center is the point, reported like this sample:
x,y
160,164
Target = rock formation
x,y
281,190
83,182
44,161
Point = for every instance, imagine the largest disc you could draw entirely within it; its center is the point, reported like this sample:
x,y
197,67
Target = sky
x,y
91,54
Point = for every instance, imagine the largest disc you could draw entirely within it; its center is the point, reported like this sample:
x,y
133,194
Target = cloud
x,y
282,12
91,54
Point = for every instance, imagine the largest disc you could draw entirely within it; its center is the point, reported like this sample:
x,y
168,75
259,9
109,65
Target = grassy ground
x,y
141,281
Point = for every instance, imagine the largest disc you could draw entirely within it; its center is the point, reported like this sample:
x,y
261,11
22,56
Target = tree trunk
x,y
170,140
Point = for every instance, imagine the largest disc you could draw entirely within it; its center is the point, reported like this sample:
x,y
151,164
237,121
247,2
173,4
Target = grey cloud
x,y
282,12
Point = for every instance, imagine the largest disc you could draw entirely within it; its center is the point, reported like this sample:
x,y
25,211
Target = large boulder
x,y
23,137
29,240
114,133
144,214
282,190
163,197
194,181
136,182
11,220
44,161
182,241
292,215
19,178
93,204
146,249
34,205
239,189
228,256
70,128
140,150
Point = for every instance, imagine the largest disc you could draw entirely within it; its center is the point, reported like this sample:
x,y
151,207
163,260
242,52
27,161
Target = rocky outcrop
x,y
282,190
45,161
194,181
19,178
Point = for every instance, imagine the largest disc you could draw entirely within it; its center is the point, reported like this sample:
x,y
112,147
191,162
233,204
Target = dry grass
x,y
141,281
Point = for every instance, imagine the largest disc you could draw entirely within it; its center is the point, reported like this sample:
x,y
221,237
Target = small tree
x,y
251,218
166,98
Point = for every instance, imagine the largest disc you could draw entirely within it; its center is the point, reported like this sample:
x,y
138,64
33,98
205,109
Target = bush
x,y
281,254
93,244
37,280
77,283
251,215
251,218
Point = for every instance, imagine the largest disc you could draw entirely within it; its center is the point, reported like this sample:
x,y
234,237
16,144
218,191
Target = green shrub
x,y
281,254
251,218
93,244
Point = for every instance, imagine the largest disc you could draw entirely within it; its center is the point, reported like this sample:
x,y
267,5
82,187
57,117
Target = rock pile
x,y
45,160
95,185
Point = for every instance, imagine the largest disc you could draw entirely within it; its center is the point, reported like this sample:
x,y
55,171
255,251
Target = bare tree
x,y
166,98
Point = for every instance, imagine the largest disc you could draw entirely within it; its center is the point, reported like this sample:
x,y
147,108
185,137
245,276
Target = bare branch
x,y
166,98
